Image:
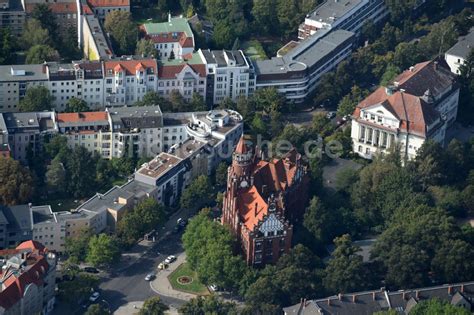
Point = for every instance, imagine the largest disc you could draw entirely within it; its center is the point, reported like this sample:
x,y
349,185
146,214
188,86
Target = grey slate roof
x,y
333,10
18,217
362,303
464,45
136,117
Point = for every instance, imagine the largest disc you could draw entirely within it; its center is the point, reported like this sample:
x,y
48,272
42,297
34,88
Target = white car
x,y
94,297
150,277
214,288
170,259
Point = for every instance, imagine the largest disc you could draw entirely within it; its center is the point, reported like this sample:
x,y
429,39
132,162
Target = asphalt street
x,y
130,284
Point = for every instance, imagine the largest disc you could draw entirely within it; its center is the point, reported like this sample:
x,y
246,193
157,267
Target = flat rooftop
x,y
159,165
42,214
188,148
175,25
19,73
332,10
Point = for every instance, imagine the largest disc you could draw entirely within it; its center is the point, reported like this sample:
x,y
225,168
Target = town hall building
x,y
262,199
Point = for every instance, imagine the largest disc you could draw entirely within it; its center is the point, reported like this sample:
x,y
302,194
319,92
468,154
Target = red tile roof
x,y
129,66
171,71
276,176
34,272
109,3
82,117
414,113
241,147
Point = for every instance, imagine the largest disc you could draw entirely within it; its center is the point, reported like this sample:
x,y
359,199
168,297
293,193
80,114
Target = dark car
x,y
90,270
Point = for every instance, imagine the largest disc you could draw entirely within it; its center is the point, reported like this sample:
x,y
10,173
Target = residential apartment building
x,y
28,280
229,75
90,83
137,131
4,146
404,115
173,39
261,199
66,12
296,74
27,131
88,129
457,55
349,15
127,80
15,225
47,229
102,7
370,302
12,15
186,76
15,80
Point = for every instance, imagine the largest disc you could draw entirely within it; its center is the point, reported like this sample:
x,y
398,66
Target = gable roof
x,y
171,71
464,45
129,66
434,75
413,112
109,3
252,207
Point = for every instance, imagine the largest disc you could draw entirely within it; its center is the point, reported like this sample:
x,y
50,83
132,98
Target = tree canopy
x,y
16,183
37,99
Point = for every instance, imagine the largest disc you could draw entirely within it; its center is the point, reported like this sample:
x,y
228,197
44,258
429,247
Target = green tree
x,y
42,13
8,45
37,99
34,34
153,306
197,103
96,309
198,194
319,221
208,305
345,271
146,47
57,145
76,105
221,174
466,95
16,183
454,261
345,178
436,306
264,12
79,289
41,53
76,246
152,98
56,176
390,73
123,31
103,250
224,34
143,218
80,168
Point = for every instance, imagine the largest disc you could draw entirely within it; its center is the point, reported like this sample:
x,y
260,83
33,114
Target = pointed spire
x,y
241,147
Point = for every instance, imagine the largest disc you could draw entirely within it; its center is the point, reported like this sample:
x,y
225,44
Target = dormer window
x,y
379,119
109,71
372,116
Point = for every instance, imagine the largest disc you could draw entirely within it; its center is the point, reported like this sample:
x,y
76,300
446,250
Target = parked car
x,y
94,297
150,277
331,115
214,288
90,270
162,266
170,259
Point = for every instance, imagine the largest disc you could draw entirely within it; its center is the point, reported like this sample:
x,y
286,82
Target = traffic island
x,y
185,279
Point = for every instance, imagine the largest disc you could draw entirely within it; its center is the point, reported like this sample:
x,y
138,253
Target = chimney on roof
x,y
435,64
450,290
30,205
389,90
256,204
373,296
354,298
404,295
304,303
417,294
462,288
339,296
329,302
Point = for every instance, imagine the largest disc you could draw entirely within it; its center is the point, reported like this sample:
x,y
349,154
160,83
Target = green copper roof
x,y
174,25
195,60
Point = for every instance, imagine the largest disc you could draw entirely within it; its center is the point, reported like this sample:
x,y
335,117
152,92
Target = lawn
x,y
195,287
254,49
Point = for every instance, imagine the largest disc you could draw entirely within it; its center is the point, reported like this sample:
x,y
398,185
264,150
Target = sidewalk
x,y
140,249
134,307
162,286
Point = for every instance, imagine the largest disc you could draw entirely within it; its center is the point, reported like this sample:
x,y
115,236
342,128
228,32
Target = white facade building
x,y
457,55
229,75
403,115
